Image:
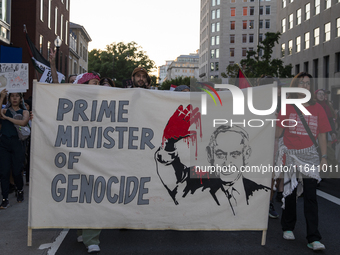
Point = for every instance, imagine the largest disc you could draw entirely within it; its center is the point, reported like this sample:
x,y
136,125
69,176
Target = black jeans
x,y
12,157
288,218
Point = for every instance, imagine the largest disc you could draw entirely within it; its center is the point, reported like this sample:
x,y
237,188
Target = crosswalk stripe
x,y
331,198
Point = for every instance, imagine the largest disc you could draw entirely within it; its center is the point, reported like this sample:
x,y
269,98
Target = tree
x,y
119,60
254,65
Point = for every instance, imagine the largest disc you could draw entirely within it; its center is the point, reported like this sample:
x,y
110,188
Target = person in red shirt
x,y
301,157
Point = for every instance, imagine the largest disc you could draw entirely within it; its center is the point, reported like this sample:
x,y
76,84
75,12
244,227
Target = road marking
x,y
55,245
331,198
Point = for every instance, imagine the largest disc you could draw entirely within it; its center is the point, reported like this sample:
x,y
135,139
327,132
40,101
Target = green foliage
x,y
125,57
178,81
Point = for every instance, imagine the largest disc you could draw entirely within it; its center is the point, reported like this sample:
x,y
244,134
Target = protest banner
x,y
107,158
14,77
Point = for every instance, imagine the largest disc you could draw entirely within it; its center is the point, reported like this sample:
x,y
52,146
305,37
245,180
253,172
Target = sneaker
x,y
288,235
20,196
4,204
93,248
316,246
272,213
80,239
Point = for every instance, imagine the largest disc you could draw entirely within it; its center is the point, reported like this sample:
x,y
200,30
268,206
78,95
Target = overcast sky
x,y
164,29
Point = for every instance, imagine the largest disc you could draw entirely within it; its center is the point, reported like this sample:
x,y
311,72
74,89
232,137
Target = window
x,y
218,2
244,24
217,26
307,11
56,20
217,13
307,40
232,25
41,44
244,52
261,10
317,7
212,27
217,40
338,27
66,29
316,36
251,10
290,22
284,3
42,10
232,38
244,38
251,38
48,49
217,53
267,23
283,49
61,26
212,40
212,54
267,9
261,23
213,2
232,11
305,67
251,24
298,44
297,69
245,11
327,31
298,17
283,25
337,63
290,47
251,49
213,14
66,4
216,66
212,67
49,13
260,37
328,4
232,52
232,1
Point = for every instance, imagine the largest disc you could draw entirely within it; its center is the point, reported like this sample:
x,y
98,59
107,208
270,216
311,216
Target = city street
x,y
13,234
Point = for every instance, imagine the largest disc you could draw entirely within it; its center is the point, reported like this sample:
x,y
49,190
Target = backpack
x,y
23,132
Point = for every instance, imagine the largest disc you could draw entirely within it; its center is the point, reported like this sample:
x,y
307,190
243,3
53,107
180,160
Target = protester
x,y
88,78
28,105
71,78
107,82
301,154
11,148
140,78
182,88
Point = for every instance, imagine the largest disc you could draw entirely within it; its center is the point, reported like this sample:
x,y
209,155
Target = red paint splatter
x,y
200,173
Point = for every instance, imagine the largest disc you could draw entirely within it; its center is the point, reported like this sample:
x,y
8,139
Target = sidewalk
x,y
13,230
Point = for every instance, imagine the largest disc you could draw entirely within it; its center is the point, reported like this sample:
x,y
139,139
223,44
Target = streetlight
x,y
57,43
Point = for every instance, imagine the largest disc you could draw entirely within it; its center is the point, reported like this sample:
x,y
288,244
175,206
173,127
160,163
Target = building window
x,y
217,40
290,47
328,4
267,9
244,38
298,17
61,26
232,25
305,67
245,11
244,24
212,27
261,24
213,14
232,1
307,11
232,38
337,63
217,26
217,13
66,4
260,37
212,67
251,24
307,40
283,49
290,21
316,36
49,13
232,52
217,53
298,44
66,29
216,66
297,69
56,20
48,49
261,10
217,2
251,49
213,40
213,2
212,54
283,25
327,31
284,3
251,10
41,10
232,11
317,7
41,44
316,68
251,38
338,27
244,52
267,23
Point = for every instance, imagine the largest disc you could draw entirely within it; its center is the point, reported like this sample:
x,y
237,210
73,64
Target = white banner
x,y
134,158
46,77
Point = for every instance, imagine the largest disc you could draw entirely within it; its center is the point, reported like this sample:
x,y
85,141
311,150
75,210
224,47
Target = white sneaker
x,y
288,235
93,248
80,239
316,246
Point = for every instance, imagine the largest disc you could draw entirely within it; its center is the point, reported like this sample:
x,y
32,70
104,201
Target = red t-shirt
x,y
297,137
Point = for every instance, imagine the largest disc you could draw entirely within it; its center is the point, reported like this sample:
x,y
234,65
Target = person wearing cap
x,y
107,82
140,78
182,88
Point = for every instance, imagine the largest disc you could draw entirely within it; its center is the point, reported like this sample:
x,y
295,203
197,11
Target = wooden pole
x,y
29,237
264,236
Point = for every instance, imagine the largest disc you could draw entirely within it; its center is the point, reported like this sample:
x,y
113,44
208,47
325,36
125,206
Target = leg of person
x,y
311,214
5,170
272,213
288,218
91,239
18,156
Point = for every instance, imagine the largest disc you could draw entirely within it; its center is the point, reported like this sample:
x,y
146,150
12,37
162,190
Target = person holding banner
x,y
140,78
11,148
299,148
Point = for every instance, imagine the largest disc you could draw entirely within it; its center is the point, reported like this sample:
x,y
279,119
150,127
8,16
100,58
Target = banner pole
x,y
264,236
29,237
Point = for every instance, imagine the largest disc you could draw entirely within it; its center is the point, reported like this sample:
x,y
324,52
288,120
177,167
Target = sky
x,y
164,29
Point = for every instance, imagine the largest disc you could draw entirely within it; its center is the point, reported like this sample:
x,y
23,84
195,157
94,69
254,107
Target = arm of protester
x,y
53,67
22,122
323,147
